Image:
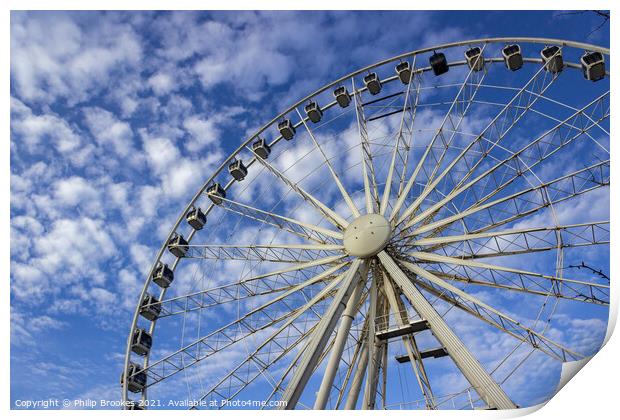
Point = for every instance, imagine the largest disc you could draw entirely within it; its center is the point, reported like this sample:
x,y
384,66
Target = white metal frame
x,y
347,283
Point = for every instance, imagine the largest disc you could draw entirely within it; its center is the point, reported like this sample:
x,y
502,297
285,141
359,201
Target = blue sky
x,y
103,103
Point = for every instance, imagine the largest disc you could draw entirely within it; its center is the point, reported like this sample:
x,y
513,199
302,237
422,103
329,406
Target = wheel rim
x,y
324,233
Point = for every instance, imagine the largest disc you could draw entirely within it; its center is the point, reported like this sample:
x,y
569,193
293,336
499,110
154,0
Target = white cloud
x,y
53,57
45,322
149,199
207,131
75,190
24,325
142,256
36,130
161,153
28,282
178,175
23,230
111,133
161,83
73,251
204,132
129,287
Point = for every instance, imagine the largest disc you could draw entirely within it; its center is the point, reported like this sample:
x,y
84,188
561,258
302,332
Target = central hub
x,y
367,235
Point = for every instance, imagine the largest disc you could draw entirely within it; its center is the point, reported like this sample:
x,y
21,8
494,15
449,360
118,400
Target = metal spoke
x,y
256,363
495,131
343,191
458,110
278,253
508,324
520,280
516,241
535,152
514,286
328,213
259,285
304,230
368,169
405,130
278,386
533,199
229,334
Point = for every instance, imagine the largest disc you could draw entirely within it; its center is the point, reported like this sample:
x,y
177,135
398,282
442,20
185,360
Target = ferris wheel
x,y
412,221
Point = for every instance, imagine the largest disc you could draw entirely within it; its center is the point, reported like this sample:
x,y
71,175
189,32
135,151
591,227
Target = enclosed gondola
x,y
261,148
342,96
475,59
512,57
403,70
237,170
141,342
286,129
163,275
196,218
216,193
552,57
314,112
593,66
438,63
150,308
178,246
373,84
136,378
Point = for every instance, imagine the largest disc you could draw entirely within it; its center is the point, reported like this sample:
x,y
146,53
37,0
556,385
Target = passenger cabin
x,y
216,193
150,308
261,148
237,170
373,84
552,57
141,342
196,218
512,57
474,58
136,380
342,96
314,112
178,246
593,66
404,72
439,64
286,128
163,275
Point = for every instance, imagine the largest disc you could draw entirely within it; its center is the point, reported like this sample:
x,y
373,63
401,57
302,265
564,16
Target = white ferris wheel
x,y
371,238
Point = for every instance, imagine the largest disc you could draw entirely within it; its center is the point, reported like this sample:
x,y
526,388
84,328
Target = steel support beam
x,y
320,337
358,378
413,352
341,339
374,347
482,382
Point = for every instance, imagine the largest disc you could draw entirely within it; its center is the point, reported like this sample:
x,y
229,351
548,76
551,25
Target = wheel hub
x,y
367,235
